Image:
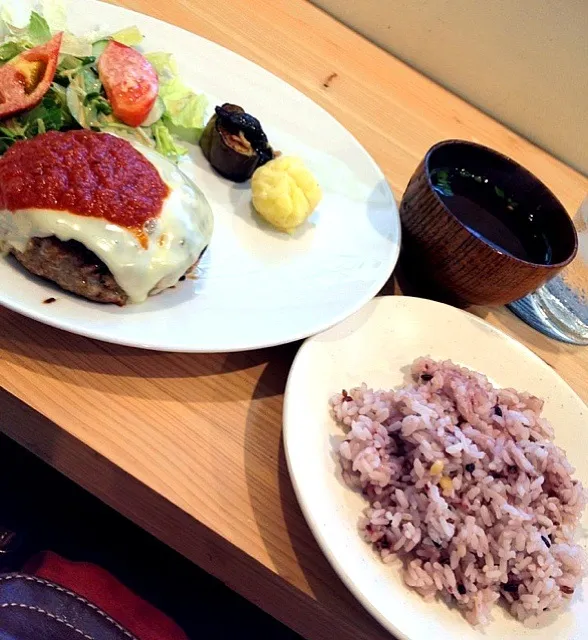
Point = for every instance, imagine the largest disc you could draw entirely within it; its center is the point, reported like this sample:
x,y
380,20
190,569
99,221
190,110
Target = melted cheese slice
x,y
176,238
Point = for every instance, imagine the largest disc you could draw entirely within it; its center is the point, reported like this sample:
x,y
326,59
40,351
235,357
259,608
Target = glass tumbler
x,y
559,308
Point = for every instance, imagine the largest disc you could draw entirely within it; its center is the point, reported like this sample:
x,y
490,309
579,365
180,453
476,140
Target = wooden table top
x,y
189,446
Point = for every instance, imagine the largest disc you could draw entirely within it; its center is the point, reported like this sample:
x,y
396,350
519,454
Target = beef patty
x,y
73,267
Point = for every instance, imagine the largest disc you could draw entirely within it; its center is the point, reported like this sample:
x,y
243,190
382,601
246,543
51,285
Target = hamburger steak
x,y
103,219
73,267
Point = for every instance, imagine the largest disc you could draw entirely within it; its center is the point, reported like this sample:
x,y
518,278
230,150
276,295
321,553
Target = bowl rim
x,y
519,167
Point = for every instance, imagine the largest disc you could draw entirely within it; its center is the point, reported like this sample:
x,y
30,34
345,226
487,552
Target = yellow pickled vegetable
x,y
284,192
437,467
446,485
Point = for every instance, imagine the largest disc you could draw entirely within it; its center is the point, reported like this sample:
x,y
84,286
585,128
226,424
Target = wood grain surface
x,y
189,446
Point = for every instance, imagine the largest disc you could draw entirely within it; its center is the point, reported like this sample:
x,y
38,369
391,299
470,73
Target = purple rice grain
x,y
388,431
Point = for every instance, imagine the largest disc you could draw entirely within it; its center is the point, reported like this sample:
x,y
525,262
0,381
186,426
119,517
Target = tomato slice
x,y
130,82
24,80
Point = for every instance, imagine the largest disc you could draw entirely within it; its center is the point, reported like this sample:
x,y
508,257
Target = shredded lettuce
x,y
75,46
55,12
86,102
17,39
141,135
165,66
15,42
131,36
14,17
77,99
184,109
69,66
164,142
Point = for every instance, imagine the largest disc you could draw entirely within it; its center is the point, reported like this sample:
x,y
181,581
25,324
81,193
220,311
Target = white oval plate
x,y
255,287
373,346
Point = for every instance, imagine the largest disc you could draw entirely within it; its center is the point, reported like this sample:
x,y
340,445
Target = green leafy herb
x,y
69,66
499,192
59,93
90,96
85,99
39,31
102,105
10,50
98,102
440,178
5,143
14,39
10,131
50,114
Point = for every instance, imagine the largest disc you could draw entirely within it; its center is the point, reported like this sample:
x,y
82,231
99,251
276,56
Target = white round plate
x,y
374,346
256,287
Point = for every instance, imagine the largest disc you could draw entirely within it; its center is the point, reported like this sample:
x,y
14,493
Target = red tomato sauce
x,y
87,173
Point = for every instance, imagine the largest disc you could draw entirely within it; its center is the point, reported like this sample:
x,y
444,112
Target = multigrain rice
x,y
466,487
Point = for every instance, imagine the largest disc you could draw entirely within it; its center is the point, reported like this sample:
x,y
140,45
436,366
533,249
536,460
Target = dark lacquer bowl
x,y
459,265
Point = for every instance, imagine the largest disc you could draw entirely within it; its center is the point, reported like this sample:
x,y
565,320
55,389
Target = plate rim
x,y
288,429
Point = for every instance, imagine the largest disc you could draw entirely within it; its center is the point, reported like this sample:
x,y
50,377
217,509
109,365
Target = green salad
x,y
76,97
